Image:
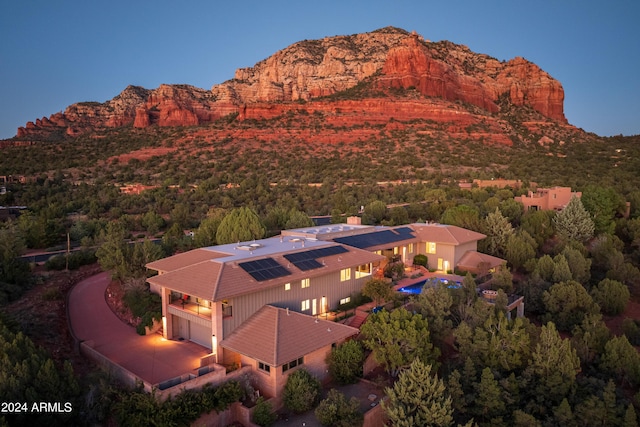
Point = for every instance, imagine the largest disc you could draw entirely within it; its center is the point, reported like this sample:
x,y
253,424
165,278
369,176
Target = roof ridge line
x,y
277,333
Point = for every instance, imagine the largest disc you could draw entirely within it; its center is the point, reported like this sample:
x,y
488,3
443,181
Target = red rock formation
x,y
385,59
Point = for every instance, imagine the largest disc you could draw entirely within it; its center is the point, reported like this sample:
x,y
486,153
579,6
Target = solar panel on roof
x,y
376,238
307,260
264,269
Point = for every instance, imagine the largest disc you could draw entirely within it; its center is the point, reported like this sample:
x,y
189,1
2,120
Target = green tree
x,y
561,270
611,295
563,415
301,392
375,212
567,303
297,219
462,216
590,337
630,418
15,274
398,215
378,290
345,362
499,344
240,225
622,360
574,222
552,370
434,303
418,398
337,411
538,224
579,264
489,402
205,235
397,338
498,230
603,203
114,253
520,248
152,222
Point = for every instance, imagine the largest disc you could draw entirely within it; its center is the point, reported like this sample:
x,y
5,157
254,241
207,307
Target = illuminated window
x,y
396,250
440,264
363,270
264,367
305,305
287,286
345,274
410,249
304,283
346,300
431,247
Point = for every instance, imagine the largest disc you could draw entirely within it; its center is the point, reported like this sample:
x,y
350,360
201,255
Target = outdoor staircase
x,y
359,318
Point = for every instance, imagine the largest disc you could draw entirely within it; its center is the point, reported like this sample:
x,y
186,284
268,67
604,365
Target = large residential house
x,y
547,199
262,303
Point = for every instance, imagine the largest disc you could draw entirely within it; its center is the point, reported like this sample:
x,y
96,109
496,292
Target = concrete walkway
x,y
151,357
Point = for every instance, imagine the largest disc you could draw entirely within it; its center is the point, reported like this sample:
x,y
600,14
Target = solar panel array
x,y
377,238
264,269
308,260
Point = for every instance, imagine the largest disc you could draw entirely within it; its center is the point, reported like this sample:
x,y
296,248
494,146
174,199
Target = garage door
x,y
200,334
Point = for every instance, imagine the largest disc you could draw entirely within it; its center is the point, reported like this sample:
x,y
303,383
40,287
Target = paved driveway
x,y
151,357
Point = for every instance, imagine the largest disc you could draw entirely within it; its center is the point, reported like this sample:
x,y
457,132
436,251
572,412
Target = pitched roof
x,y
184,259
276,336
443,233
472,259
217,273
196,279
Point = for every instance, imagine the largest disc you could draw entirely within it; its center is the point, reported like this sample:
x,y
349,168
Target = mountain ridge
x,y
313,71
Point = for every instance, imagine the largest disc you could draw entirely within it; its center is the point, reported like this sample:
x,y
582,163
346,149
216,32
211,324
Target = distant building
x,y
547,199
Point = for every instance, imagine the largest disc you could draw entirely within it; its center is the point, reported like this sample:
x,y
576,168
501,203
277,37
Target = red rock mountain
x,y
382,62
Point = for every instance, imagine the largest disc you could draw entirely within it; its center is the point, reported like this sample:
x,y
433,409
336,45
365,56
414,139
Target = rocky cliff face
x,y
383,60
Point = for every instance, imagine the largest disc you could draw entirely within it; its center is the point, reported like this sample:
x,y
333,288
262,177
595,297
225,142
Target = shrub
x,y
263,414
301,392
345,362
422,260
336,411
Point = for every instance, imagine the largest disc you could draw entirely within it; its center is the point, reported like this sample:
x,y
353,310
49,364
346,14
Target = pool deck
x,y
426,275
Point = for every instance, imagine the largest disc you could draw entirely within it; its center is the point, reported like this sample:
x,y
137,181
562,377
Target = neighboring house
x,y
261,303
547,199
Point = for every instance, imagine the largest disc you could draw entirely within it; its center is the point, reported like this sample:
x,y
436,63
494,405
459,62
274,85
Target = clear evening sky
x,y
56,53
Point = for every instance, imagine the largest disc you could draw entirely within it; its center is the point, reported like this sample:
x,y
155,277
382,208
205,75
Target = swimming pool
x,y
416,288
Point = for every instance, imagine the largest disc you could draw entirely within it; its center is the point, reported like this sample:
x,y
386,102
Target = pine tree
x,y
630,418
397,338
240,225
553,368
574,222
418,399
488,402
498,230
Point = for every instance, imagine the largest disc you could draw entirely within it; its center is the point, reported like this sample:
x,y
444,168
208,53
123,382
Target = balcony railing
x,y
191,307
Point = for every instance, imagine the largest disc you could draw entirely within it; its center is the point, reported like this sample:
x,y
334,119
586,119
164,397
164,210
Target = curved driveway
x,y
151,357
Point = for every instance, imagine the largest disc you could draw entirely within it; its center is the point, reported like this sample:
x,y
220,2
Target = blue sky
x,y
53,54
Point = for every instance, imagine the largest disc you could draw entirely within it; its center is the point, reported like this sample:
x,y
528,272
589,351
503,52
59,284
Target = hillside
x,y
355,84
